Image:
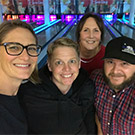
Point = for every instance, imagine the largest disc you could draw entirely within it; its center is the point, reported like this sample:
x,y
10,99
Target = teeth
x,y
90,42
20,65
67,76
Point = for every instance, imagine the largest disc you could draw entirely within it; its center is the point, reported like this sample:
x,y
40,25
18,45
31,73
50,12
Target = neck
x,y
87,54
9,87
65,90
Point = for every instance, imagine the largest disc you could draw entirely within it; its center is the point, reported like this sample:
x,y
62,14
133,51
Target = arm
x,y
99,132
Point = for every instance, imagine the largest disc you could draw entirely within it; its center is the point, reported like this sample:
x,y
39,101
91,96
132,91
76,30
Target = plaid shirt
x,y
116,111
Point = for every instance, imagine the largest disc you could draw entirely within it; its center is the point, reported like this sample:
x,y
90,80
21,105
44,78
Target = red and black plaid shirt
x,y
116,111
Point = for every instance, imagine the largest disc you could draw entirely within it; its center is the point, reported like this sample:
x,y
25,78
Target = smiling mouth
x,y
67,76
90,42
22,65
116,75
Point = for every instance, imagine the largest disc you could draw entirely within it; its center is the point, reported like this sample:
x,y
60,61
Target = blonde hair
x,y
8,26
34,78
60,42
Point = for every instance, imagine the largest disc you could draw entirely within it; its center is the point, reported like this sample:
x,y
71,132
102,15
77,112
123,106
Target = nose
x,y
66,67
24,55
115,68
91,34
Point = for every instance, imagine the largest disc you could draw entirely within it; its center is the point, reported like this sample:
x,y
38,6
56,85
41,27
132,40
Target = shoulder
x,y
102,50
101,53
103,47
85,84
44,73
97,74
27,88
27,85
133,89
84,77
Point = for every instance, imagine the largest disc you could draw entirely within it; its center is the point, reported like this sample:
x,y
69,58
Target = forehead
x,y
21,35
63,51
115,60
18,31
90,21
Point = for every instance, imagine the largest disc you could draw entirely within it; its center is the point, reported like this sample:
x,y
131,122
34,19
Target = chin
x,y
68,83
24,77
116,83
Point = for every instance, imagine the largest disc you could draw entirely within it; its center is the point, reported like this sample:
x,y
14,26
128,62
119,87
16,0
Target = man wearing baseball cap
x,y
115,89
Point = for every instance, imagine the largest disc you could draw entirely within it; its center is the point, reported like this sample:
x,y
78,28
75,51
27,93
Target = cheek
x,y
6,63
76,73
76,69
7,59
83,35
55,69
128,74
34,60
4,55
97,35
107,70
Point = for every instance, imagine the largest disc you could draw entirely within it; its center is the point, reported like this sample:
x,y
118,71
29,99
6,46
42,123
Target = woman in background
x,y
89,35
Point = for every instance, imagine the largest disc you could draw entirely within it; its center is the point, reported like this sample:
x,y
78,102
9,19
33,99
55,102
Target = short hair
x,y
7,26
60,42
81,23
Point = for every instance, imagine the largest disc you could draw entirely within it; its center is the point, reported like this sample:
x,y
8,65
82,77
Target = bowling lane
x,y
124,29
45,35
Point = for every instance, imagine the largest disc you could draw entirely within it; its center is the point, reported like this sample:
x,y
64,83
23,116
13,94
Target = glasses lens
x,y
14,49
34,50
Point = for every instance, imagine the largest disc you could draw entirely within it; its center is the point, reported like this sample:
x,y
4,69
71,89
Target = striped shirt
x,y
116,111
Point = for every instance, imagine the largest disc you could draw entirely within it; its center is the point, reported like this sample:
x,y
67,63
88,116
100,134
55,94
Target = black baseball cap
x,y
122,48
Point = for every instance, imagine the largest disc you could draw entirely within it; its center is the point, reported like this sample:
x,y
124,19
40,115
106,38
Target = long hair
x,y
8,26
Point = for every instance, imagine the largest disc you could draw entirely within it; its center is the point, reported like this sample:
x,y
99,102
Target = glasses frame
x,y
23,47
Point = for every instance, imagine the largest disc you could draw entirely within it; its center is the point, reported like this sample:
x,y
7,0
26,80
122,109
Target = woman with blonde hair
x,y
18,59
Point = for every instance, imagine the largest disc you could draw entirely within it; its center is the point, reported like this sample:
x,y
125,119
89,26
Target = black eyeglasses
x,y
15,49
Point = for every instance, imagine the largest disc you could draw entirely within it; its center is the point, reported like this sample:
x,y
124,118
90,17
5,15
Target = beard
x,y
121,86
